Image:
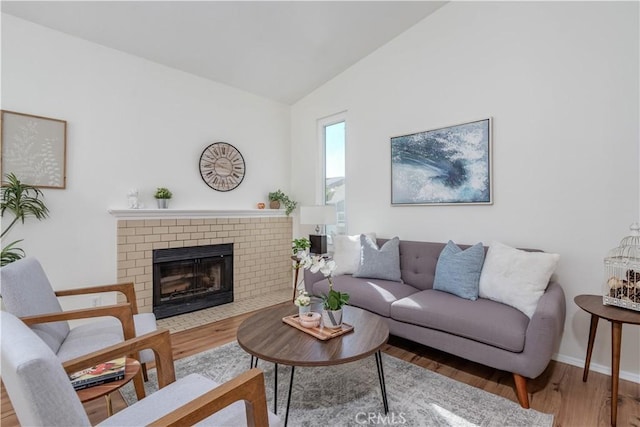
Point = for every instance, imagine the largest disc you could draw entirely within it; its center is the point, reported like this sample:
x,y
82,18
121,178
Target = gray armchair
x,y
27,293
42,395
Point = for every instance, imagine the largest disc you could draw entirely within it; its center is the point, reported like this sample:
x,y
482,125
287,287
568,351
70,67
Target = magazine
x,y
100,374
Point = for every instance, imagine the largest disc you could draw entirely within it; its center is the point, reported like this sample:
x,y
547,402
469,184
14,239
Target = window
x,y
333,138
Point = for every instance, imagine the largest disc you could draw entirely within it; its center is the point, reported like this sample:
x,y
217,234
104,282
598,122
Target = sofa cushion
x,y
516,277
483,320
346,252
379,263
458,271
375,295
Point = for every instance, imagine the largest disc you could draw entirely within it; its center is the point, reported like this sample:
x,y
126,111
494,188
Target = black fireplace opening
x,y
190,279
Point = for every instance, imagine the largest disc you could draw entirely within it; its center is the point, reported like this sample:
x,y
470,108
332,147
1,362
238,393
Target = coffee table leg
x,y
254,365
383,387
286,417
275,390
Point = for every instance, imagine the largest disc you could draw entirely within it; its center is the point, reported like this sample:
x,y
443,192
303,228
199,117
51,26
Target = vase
x,y
274,204
332,319
163,203
310,320
303,309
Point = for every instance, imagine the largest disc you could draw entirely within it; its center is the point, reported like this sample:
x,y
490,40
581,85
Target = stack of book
x,y
100,374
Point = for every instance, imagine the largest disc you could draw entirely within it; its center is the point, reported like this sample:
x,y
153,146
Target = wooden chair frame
x,y
249,386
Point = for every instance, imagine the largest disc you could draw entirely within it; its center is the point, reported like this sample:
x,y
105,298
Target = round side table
x,y
617,316
132,368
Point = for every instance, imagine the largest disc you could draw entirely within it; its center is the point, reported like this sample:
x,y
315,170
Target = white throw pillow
x,y
515,277
346,252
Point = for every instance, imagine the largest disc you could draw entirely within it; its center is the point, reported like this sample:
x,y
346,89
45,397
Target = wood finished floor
x,y
559,390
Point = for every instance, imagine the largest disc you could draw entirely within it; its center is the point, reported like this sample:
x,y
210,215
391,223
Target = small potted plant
x,y
300,247
163,195
278,198
303,302
332,302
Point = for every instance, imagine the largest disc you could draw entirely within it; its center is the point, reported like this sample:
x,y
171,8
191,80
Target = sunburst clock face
x,y
222,166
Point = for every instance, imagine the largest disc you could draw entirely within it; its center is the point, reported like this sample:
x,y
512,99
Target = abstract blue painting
x,y
450,165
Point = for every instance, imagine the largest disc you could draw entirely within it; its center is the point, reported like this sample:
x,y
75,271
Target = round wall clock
x,y
222,166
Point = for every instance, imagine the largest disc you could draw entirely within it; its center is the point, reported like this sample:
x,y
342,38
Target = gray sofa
x,y
483,331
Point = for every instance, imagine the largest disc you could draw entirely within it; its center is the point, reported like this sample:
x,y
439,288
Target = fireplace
x,y
191,278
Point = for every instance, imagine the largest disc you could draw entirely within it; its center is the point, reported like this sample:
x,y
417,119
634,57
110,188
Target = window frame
x,y
323,123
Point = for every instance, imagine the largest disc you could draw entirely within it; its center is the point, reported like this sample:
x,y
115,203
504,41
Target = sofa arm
x,y
310,279
544,330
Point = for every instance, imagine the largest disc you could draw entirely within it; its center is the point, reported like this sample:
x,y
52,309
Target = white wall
x,y
131,124
561,83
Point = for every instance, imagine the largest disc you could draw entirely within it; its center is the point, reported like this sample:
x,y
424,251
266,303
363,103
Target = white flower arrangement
x,y
303,299
317,263
334,300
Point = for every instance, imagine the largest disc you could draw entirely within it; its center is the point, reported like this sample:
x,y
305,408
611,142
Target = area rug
x,y
349,394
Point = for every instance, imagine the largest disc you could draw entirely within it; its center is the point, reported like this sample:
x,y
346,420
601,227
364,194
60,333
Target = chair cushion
x,y
26,291
482,320
375,295
89,337
175,395
38,387
145,323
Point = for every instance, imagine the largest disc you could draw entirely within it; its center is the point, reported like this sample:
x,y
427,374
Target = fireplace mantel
x,y
195,213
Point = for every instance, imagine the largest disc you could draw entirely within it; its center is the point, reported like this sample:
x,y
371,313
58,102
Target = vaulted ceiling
x,y
281,50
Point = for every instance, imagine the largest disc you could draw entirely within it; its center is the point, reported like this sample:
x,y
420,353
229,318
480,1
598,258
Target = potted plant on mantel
x,y
332,302
163,195
23,200
278,198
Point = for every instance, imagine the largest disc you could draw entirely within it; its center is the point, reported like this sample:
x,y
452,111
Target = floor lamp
x,y
321,216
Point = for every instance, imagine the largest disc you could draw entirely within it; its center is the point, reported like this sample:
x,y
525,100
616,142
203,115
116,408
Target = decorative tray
x,y
318,332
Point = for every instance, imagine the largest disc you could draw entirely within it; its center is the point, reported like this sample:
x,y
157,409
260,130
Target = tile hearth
x,y
202,317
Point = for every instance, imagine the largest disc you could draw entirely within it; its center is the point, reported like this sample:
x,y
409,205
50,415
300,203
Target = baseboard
x,y
596,367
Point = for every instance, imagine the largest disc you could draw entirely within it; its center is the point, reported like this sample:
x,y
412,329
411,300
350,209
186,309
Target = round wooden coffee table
x,y
265,336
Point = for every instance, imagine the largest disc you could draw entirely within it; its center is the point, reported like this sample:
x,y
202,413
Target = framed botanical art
x,y
446,166
34,149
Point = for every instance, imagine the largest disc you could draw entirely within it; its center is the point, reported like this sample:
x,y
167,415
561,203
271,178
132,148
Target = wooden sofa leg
x,y
521,390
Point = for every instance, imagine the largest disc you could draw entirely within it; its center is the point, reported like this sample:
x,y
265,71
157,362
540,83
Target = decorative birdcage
x,y
622,272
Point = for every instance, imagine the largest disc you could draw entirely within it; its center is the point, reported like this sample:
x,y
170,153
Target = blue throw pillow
x,y
383,263
458,272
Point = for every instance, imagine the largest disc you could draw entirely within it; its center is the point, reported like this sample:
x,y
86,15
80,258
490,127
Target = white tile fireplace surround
x,y
261,246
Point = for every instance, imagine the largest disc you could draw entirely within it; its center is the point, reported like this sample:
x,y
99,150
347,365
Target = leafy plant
x,y
334,300
277,195
289,204
23,200
10,254
163,193
300,245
